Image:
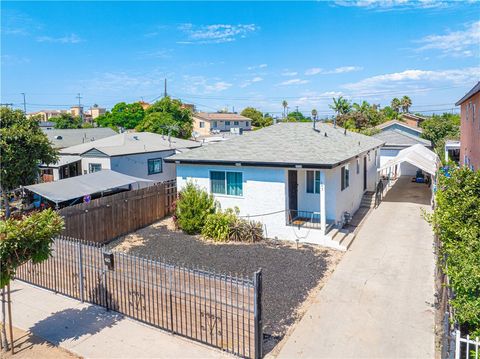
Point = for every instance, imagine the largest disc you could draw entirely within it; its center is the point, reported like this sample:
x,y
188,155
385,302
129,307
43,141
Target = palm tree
x,y
396,104
285,105
314,114
406,102
341,106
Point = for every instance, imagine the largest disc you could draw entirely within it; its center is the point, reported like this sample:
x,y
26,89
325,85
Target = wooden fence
x,y
216,309
106,218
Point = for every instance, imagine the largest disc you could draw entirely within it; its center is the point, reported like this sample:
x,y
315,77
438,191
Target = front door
x,y
292,190
364,173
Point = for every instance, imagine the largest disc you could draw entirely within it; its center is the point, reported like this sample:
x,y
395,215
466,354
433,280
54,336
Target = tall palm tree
x,y
314,114
406,103
285,105
396,104
341,106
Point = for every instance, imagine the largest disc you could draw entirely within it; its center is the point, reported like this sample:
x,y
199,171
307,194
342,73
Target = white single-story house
x,y
297,179
137,154
452,150
397,136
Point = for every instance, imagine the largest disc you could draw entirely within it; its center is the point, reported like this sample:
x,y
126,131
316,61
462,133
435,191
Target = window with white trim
x,y
313,182
202,124
154,166
94,167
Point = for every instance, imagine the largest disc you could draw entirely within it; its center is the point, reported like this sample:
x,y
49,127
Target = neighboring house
x,y
46,115
139,154
72,137
470,128
412,120
295,179
400,125
398,137
47,125
452,151
204,123
96,111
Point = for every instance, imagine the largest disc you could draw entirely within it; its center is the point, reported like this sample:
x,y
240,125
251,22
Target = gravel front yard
x,y
289,274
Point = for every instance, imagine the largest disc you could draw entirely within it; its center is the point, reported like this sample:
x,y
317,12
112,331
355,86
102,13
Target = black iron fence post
x,y
257,283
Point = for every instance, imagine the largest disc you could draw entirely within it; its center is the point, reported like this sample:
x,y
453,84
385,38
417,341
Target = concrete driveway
x,y
378,302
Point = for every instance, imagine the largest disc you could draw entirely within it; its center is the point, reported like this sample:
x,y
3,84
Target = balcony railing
x,y
306,219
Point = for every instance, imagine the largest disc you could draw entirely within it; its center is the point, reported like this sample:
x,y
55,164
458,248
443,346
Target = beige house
x,y
46,115
96,111
206,123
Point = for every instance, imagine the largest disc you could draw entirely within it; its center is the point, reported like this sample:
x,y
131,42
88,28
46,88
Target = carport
x,y
418,156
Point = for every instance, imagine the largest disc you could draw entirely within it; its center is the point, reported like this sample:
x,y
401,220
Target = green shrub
x,y
192,208
456,221
217,225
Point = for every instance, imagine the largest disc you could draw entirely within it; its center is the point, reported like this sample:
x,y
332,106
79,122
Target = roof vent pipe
x,y
345,132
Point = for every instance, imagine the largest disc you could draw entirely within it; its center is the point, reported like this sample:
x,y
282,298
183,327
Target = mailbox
x,y
108,260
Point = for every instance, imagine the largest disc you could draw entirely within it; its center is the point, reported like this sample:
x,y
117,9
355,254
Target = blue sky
x,y
237,54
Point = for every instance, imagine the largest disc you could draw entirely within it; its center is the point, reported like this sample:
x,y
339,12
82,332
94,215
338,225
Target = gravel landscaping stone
x,y
289,273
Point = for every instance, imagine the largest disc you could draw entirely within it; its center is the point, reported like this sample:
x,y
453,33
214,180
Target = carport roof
x,y
417,155
79,186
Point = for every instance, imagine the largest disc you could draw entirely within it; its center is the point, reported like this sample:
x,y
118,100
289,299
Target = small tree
x,y
66,121
193,207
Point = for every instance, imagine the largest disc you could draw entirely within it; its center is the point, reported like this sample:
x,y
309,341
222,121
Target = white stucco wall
x,y
134,165
137,165
265,191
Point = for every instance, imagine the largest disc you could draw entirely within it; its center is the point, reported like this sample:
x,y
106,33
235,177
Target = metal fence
x,y
220,310
466,348
303,218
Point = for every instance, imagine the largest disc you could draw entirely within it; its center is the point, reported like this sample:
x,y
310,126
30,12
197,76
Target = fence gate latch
x,y
108,260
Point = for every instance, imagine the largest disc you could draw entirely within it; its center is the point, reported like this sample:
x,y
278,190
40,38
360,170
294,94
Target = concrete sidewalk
x,y
92,332
378,302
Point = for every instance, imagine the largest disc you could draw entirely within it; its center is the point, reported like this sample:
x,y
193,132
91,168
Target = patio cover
x,y
79,186
417,155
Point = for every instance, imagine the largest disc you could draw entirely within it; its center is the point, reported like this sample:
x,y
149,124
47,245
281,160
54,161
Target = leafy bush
x,y
217,225
456,221
192,208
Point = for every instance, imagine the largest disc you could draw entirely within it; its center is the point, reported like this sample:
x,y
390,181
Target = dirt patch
x,y
290,274
28,345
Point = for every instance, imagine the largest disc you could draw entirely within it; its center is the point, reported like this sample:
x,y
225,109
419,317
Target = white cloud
x,y
10,60
413,79
289,73
313,71
202,85
217,33
454,43
256,67
251,81
385,5
155,54
338,70
67,39
119,82
293,82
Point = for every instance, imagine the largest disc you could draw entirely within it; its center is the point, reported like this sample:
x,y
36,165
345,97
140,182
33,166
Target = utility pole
x,y
24,103
165,89
296,108
80,112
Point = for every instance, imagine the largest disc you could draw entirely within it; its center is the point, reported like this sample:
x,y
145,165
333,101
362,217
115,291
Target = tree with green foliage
x,y
168,117
67,121
256,116
438,128
192,208
395,104
341,106
406,102
122,115
24,146
456,221
297,116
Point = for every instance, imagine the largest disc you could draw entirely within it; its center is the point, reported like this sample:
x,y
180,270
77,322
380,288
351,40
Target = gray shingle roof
x,y
72,137
131,142
285,144
399,138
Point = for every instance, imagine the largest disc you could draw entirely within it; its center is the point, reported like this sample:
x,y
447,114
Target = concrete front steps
x,y
343,236
368,199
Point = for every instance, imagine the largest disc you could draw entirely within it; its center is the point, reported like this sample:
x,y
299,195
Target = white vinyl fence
x,y
466,348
